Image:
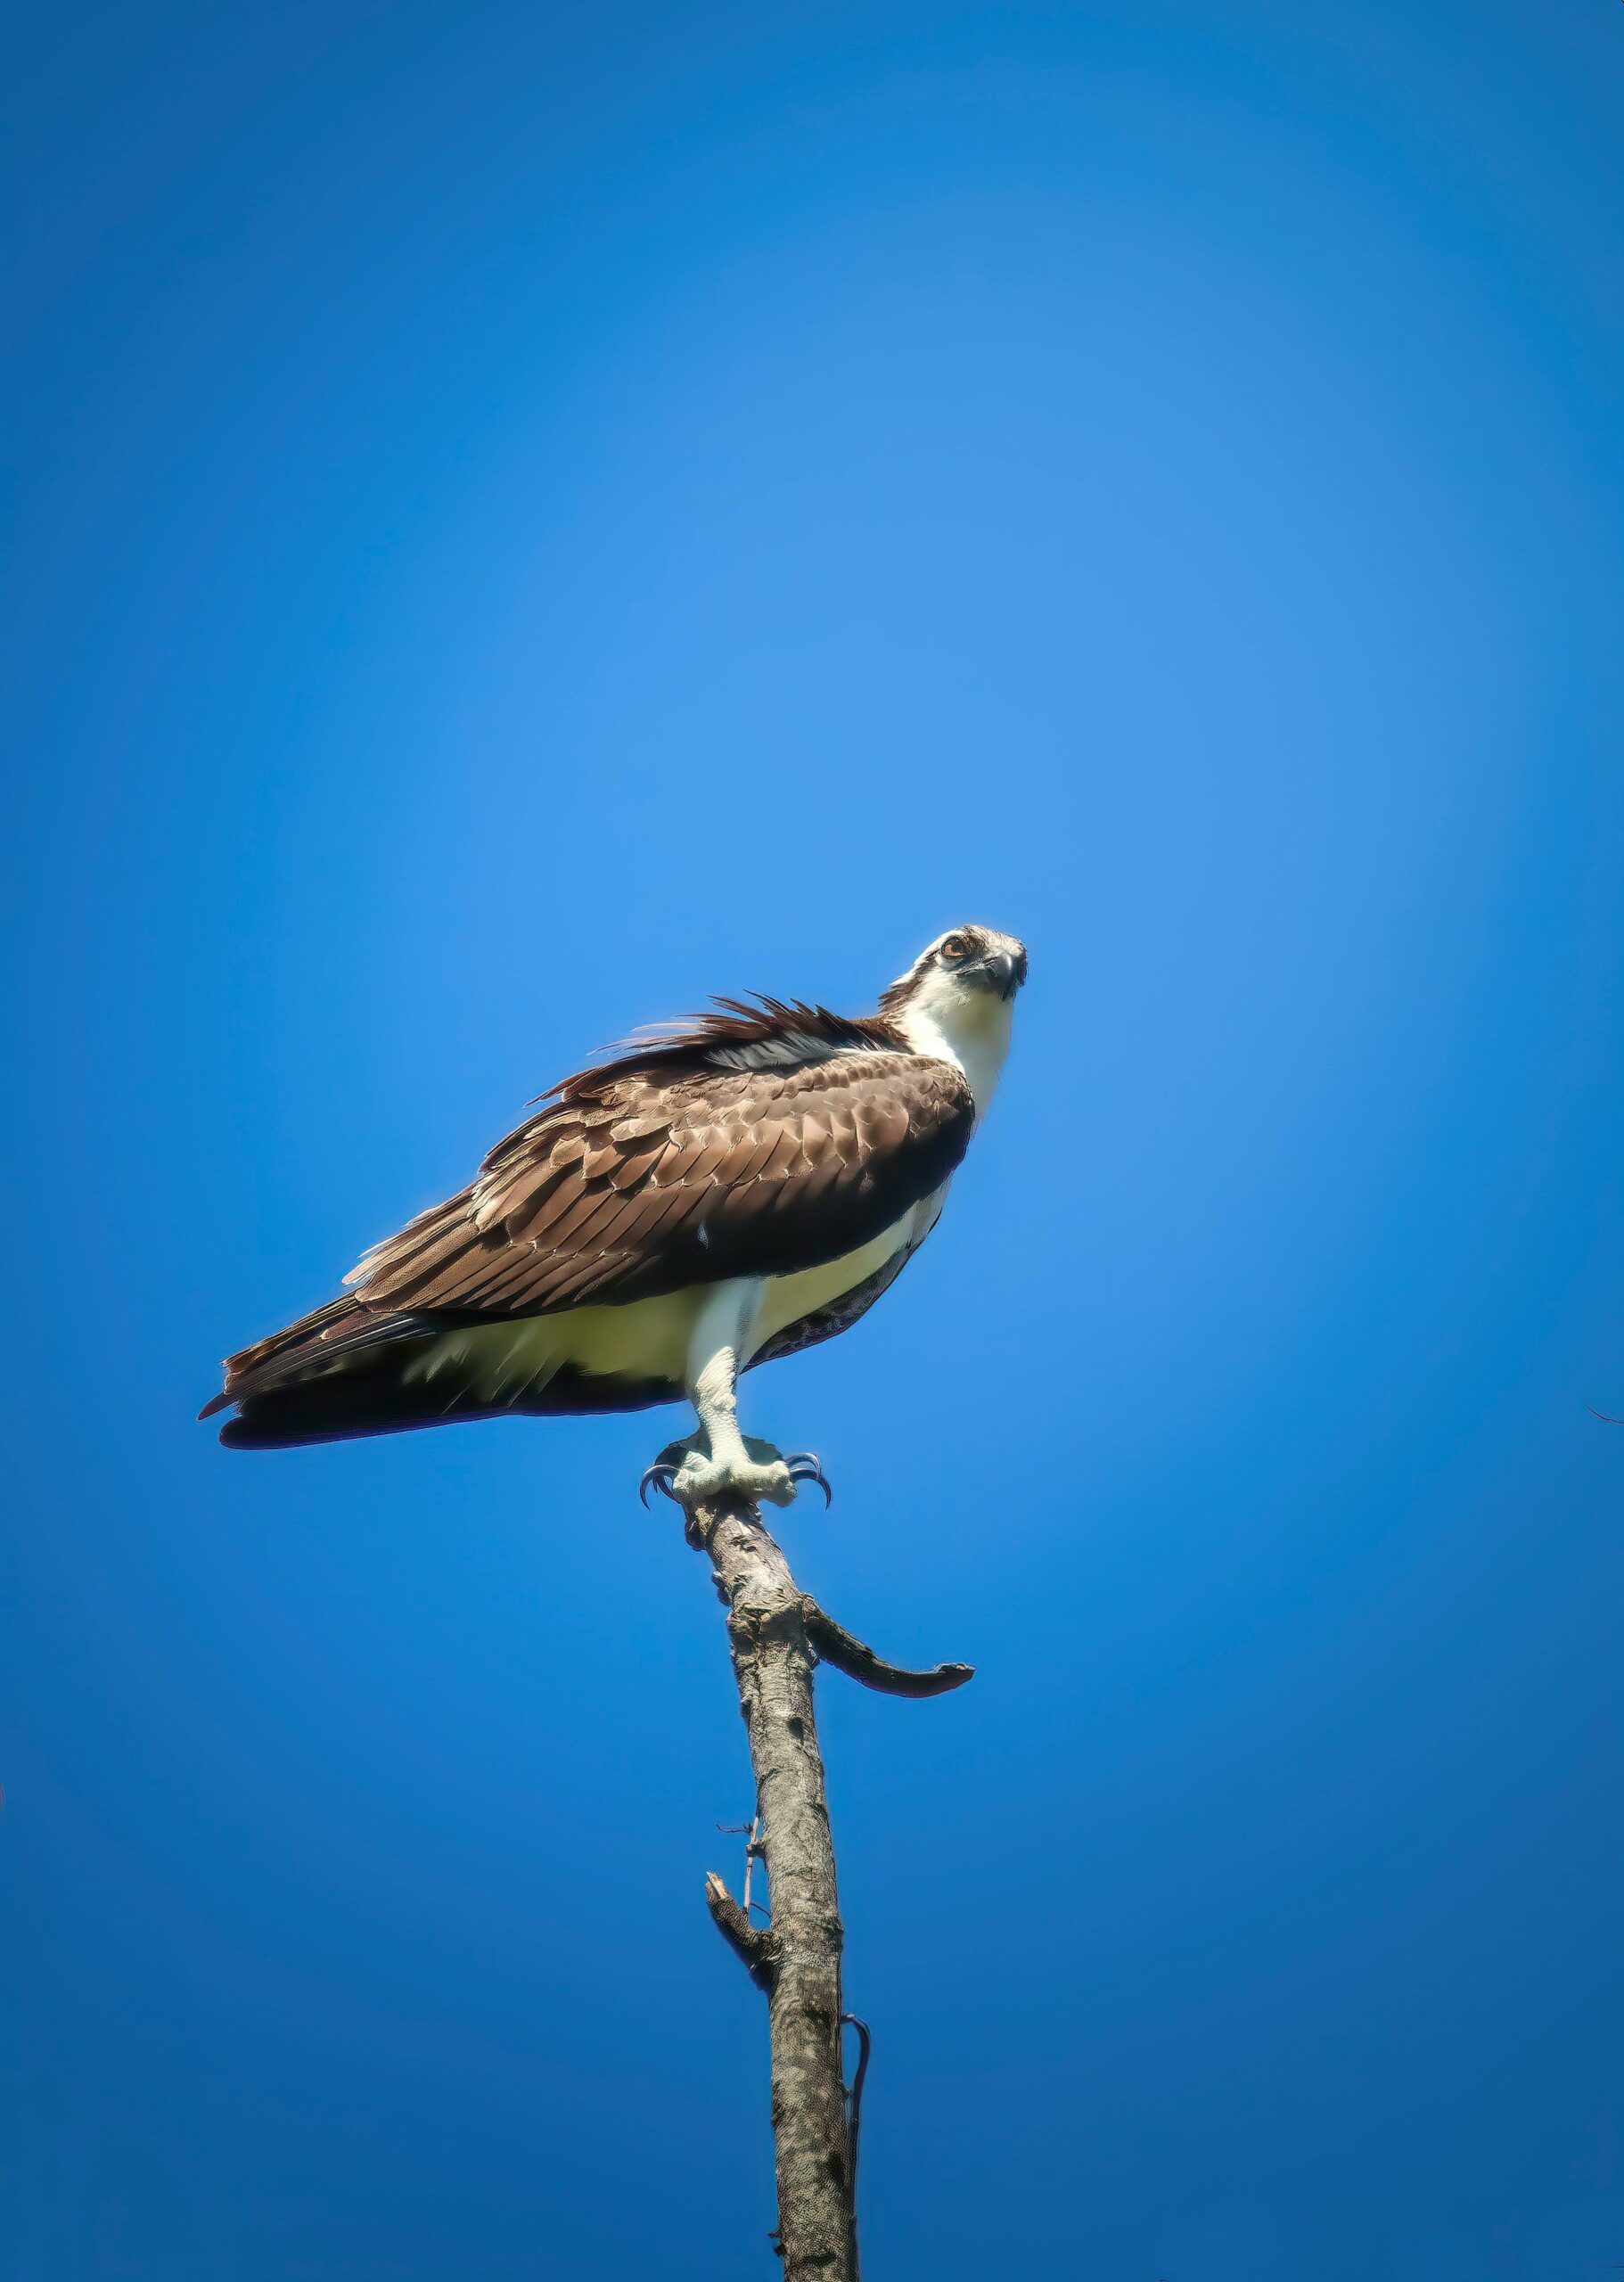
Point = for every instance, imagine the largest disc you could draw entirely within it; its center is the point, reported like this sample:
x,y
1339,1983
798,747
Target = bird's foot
x,y
687,1473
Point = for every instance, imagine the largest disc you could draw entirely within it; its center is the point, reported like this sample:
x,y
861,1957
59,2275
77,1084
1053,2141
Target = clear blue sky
x,y
522,516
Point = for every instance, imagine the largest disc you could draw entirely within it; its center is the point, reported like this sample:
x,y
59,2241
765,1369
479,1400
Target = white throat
x,y
972,1033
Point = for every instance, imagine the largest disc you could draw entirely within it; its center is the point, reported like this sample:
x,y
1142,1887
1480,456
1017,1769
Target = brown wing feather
x,y
692,1177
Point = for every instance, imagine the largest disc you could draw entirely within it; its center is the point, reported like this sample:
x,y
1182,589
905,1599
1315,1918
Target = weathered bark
x,y
797,1957
776,1634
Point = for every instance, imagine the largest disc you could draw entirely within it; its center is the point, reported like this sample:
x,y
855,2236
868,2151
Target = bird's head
x,y
963,967
957,997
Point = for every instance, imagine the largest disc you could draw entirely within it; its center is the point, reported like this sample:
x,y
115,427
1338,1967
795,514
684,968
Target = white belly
x,y
786,1299
645,1339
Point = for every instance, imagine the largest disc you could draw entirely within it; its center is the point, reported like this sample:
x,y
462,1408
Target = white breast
x,y
788,1299
971,1034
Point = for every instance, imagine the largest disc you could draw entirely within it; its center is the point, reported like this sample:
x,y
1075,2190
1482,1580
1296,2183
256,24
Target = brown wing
x,y
661,1179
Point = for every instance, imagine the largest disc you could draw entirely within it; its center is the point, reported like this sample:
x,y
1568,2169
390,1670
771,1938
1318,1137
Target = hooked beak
x,y
1003,972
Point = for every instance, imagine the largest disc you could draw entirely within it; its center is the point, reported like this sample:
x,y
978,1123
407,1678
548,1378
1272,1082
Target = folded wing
x,y
750,1149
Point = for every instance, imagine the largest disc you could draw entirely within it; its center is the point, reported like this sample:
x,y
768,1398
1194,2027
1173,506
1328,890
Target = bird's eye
x,y
956,947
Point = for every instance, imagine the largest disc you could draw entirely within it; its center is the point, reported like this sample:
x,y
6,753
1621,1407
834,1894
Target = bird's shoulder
x,y
732,1067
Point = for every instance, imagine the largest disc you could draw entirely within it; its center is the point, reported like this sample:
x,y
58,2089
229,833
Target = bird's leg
x,y
721,1461
717,1351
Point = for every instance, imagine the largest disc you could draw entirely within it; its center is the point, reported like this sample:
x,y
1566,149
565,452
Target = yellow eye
x,y
955,947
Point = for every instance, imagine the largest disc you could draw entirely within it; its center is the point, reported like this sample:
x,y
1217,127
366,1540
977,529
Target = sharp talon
x,y
661,1477
806,1466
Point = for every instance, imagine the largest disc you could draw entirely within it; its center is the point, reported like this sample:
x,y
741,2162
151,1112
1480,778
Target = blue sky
x,y
520,517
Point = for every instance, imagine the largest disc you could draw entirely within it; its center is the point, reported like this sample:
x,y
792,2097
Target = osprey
x,y
718,1195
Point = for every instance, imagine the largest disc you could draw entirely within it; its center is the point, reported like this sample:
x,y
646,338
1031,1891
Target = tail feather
x,y
346,1370
315,1345
341,1405
376,1397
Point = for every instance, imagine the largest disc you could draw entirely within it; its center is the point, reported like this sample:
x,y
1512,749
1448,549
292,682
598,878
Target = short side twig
x,y
854,1657
750,1943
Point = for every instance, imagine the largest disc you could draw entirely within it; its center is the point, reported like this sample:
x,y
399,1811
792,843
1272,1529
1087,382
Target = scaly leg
x,y
720,1462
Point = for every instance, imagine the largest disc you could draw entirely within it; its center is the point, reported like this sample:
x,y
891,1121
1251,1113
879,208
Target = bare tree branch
x,y
772,1663
777,1635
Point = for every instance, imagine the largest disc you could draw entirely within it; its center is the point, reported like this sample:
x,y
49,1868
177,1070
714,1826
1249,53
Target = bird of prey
x,y
717,1195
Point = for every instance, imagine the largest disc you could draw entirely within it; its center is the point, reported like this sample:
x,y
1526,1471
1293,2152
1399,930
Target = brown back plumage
x,y
756,1139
